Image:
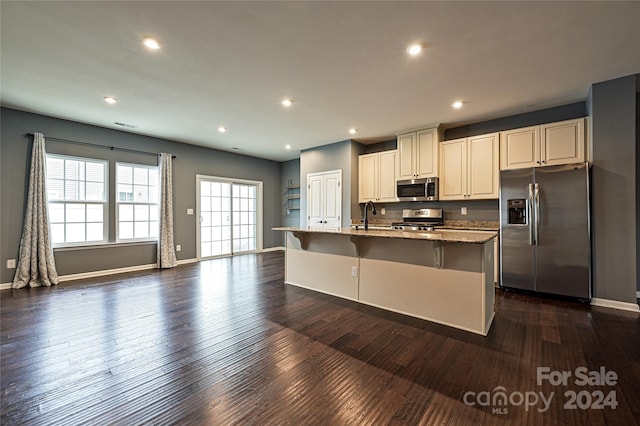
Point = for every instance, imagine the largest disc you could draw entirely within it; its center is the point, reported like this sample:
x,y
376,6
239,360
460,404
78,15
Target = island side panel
x,y
322,262
399,275
489,284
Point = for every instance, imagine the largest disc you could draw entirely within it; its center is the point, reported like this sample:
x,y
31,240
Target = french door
x,y
230,216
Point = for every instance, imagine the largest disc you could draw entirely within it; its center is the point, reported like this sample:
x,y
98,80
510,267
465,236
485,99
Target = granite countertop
x,y
443,235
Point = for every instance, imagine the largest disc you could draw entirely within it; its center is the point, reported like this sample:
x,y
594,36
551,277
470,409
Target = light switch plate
x,y
463,210
189,211
11,263
178,247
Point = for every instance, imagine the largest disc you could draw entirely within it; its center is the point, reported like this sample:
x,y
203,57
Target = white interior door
x,y
315,211
324,199
332,200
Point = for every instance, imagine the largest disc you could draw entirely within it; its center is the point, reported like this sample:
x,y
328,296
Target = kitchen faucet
x,y
366,218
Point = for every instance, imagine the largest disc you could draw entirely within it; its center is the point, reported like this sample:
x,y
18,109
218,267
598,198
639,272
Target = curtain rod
x,y
95,145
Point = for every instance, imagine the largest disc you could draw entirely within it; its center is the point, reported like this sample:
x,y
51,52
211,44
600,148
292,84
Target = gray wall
x,y
613,114
191,160
336,156
533,118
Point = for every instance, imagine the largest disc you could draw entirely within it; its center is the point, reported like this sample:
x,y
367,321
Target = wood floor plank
x,y
227,342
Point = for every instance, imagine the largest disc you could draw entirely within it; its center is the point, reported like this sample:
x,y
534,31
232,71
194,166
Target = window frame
x,y
134,203
64,202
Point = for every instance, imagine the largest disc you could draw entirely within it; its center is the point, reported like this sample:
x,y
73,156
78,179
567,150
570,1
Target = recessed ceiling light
x,y
457,104
414,49
110,99
287,146
151,43
353,131
222,129
287,102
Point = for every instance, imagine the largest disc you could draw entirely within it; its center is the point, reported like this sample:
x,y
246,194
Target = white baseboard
x,y
615,304
102,273
271,249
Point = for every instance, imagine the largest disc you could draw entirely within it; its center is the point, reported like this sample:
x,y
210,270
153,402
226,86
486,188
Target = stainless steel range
x,y
419,220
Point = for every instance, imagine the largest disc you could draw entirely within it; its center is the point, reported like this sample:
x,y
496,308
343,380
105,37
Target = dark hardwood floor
x,y
227,342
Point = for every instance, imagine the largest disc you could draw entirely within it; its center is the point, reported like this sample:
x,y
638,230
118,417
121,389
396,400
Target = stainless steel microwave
x,y
425,189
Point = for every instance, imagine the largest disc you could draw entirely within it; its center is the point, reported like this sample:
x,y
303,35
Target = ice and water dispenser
x,y
517,211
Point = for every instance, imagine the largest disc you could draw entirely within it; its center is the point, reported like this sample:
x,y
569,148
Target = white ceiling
x,y
344,64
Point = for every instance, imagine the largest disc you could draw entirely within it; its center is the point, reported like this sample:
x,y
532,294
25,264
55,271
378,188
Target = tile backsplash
x,y
477,210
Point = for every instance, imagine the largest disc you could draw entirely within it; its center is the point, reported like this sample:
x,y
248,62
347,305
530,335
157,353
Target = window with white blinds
x,y
77,199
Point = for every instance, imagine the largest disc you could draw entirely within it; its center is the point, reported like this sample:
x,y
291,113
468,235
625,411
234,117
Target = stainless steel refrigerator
x,y
545,238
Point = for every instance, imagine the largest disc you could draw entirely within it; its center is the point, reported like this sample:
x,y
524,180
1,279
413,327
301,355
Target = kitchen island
x,y
444,276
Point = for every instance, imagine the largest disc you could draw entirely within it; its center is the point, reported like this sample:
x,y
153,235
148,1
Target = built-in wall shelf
x,y
291,195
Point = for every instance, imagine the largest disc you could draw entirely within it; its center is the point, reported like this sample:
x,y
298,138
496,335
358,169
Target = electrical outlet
x,y
354,271
383,210
463,210
178,247
11,264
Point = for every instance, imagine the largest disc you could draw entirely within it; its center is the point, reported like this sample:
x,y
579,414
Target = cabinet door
x,y
406,154
453,169
368,171
520,148
483,167
387,176
427,153
562,142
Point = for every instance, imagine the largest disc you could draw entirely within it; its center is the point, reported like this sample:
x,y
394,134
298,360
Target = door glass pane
x,y
244,223
213,218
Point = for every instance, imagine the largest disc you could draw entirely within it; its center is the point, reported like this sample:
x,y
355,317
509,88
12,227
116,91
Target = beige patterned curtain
x,y
36,265
166,249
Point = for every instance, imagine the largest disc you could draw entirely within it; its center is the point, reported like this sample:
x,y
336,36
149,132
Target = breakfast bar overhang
x,y
444,276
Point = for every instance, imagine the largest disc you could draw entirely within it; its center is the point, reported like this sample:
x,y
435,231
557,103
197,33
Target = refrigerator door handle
x,y
530,214
537,221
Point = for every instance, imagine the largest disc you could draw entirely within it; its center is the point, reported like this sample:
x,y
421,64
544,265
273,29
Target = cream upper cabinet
x,y
520,148
562,142
388,175
469,168
545,145
418,154
368,166
377,177
483,166
453,168
406,156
